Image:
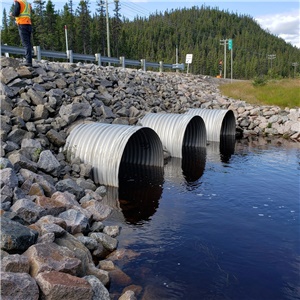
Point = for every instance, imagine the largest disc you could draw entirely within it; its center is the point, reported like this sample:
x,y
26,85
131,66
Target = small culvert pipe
x,y
106,146
218,122
177,130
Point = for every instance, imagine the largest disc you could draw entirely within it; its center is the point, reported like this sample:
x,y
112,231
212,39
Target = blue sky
x,y
281,18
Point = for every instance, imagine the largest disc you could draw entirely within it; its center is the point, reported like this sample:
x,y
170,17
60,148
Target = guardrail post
x,y
143,64
37,52
161,66
122,61
6,54
98,58
70,55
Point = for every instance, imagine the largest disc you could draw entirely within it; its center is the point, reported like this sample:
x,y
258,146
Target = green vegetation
x,y
197,30
284,93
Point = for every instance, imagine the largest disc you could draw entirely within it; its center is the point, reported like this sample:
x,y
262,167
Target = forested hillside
x,y
196,31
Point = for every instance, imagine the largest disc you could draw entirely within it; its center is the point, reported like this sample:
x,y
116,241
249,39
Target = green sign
x,y
230,44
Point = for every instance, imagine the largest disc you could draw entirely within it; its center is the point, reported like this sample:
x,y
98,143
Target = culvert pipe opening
x,y
143,148
105,146
218,122
195,133
177,130
228,124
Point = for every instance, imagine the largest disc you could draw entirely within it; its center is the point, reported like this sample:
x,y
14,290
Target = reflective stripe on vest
x,y
25,13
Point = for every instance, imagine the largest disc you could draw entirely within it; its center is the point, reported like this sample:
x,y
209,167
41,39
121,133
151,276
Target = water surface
x,y
221,223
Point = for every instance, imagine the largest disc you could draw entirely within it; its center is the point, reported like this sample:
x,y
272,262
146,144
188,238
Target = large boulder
x,y
18,286
51,257
16,237
57,285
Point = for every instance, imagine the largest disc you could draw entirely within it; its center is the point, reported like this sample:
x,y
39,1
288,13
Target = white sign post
x,y
188,61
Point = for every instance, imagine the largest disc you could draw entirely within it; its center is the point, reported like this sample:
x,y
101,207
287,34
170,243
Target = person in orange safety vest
x,y
22,15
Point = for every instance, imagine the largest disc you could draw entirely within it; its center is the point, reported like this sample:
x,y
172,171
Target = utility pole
x,y
66,34
230,47
107,31
224,42
271,57
295,65
177,58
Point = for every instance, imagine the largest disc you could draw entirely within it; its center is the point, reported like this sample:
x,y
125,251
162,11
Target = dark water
x,y
217,224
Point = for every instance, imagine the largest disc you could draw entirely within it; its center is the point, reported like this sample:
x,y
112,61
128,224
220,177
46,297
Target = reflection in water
x,y
140,188
199,239
193,163
189,168
221,151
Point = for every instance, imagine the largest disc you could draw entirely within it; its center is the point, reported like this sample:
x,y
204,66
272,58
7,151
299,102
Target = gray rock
x,y
78,250
18,286
52,257
41,112
48,163
16,237
57,230
70,186
8,74
101,190
108,242
55,138
70,112
16,135
99,290
59,285
8,177
97,227
112,230
76,221
48,188
98,210
15,263
88,242
27,210
102,275
20,161
35,98
86,184
23,112
128,295
107,112
86,170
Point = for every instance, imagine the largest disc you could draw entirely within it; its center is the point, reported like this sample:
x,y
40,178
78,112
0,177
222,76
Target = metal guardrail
x,y
70,56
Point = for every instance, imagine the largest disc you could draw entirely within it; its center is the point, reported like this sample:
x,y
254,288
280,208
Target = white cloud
x,y
285,25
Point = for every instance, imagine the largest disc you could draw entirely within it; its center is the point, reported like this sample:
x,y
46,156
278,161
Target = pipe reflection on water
x,y
140,187
188,169
138,195
221,151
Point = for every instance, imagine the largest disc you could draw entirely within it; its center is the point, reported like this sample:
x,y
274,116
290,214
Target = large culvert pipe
x,y
106,146
218,122
177,131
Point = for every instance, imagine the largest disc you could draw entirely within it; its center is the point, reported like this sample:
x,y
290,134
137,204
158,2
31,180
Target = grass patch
x,y
283,93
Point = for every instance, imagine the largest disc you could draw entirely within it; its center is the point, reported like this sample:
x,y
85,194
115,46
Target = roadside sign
x,y
230,44
189,58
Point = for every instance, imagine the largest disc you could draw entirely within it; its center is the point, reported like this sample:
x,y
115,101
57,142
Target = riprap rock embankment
x,y
52,211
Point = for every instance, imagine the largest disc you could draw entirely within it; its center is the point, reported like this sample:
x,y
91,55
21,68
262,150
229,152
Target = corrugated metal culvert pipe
x,y
106,146
177,130
218,122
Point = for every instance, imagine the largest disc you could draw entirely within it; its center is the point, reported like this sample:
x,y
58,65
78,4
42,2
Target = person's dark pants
x,y
25,35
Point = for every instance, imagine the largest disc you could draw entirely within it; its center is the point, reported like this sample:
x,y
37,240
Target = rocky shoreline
x,y
54,241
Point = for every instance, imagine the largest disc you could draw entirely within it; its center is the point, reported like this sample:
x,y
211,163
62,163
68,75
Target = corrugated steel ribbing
x,y
106,146
177,130
218,122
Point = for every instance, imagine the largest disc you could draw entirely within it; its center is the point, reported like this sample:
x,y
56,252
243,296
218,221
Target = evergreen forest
x,y
162,36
